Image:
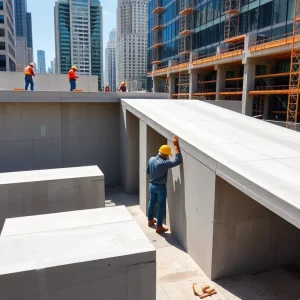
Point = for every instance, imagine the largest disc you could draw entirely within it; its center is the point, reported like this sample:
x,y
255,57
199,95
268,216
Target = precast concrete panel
x,y
113,260
191,193
50,191
247,236
143,178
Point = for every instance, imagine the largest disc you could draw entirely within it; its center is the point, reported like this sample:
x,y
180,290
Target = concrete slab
x,y
49,191
65,220
108,261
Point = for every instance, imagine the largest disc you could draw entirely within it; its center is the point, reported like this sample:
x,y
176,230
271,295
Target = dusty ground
x,y
176,271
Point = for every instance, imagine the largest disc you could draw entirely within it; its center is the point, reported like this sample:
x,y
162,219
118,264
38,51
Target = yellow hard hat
x,y
31,64
165,149
74,67
123,82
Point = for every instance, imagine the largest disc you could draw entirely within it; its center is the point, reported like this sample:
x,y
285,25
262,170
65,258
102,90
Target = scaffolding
x,y
232,18
157,27
294,84
183,85
186,12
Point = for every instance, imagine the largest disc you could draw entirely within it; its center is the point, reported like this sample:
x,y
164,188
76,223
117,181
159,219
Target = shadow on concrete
x,y
177,205
116,196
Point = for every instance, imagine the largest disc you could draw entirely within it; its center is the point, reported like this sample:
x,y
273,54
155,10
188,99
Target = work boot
x,y
151,222
161,229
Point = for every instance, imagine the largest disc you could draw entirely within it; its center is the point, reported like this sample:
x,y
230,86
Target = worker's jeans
x,y
72,84
158,193
29,80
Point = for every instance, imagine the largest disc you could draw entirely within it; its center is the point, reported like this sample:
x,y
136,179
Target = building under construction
x,y
228,50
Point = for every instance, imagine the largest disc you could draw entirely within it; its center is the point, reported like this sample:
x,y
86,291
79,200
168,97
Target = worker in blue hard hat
x,y
157,168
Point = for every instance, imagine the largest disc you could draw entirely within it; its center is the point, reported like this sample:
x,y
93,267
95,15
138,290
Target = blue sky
x,y
43,24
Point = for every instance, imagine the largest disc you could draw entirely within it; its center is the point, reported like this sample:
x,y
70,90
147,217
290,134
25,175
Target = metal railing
x,y
272,87
271,39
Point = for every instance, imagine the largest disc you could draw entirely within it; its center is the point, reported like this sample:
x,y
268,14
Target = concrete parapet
x,y
50,191
93,260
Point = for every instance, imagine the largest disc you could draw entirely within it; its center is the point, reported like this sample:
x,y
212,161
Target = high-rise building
x,y
7,37
225,50
29,38
132,43
110,60
78,37
41,59
21,33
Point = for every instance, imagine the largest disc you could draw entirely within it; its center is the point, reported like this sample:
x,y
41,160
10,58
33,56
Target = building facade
x,y
20,12
110,60
7,37
41,59
132,43
78,37
230,49
29,38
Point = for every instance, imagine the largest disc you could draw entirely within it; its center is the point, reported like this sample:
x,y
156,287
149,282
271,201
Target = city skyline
x,y
43,24
82,45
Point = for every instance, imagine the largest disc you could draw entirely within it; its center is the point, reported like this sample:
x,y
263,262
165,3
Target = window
x,y
1,19
2,46
1,5
2,63
2,32
260,70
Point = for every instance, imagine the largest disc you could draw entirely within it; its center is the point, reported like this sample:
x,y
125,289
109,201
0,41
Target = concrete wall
x,y
59,190
249,237
54,135
47,82
228,104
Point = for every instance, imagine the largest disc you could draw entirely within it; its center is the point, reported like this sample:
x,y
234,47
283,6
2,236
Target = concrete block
x,y
65,220
112,261
47,191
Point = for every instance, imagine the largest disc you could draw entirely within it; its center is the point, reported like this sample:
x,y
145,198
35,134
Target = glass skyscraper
x,y
41,61
78,37
267,18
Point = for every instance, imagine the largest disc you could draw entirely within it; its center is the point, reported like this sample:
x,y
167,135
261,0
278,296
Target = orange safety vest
x,y
72,74
27,71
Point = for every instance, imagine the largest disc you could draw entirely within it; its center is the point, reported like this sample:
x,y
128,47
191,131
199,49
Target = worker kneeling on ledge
x,y
158,168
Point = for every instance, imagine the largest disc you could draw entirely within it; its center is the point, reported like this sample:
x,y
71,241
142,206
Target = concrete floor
x,y
176,271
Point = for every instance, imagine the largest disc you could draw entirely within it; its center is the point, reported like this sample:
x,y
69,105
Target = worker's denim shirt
x,y
158,168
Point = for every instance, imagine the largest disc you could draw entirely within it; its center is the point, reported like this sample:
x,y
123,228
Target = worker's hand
x,y
175,141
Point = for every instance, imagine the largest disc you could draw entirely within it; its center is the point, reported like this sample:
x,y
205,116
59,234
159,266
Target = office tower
x,y
29,38
78,37
110,60
41,61
20,7
224,50
52,64
7,37
132,43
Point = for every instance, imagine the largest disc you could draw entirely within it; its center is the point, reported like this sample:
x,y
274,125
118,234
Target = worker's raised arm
x,y
178,158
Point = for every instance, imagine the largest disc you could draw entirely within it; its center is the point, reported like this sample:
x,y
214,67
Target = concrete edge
x,y
267,199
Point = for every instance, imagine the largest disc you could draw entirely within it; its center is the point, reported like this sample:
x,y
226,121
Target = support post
x,y
220,84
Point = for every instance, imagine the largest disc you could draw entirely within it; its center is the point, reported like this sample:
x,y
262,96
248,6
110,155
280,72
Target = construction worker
x,y
72,78
29,72
107,89
122,87
158,168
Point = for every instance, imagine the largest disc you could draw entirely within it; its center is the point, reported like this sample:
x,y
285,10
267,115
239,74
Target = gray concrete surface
x,y
44,130
65,220
106,261
248,154
49,191
176,271
228,104
48,82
